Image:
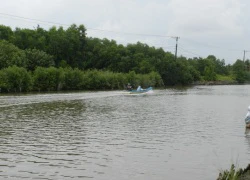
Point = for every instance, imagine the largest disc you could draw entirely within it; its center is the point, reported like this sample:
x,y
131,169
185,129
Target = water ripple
x,y
171,134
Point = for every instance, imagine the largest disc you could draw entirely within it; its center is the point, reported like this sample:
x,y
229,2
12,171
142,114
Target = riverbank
x,y
232,82
234,174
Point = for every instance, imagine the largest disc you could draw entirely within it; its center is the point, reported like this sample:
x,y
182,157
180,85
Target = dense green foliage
x,y
239,71
66,59
11,55
36,58
17,79
235,174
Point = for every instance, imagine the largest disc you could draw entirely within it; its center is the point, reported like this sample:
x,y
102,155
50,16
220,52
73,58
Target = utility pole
x,y
244,55
176,46
245,66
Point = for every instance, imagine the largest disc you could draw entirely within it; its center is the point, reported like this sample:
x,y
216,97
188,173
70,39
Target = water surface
x,y
174,134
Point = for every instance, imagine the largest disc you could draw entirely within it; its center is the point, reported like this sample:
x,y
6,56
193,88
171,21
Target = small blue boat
x,y
139,90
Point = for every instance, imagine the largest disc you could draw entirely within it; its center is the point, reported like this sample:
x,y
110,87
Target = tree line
x,y
91,63
18,79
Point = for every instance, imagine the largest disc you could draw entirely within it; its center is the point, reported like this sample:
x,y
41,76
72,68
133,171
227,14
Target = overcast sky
x,y
217,27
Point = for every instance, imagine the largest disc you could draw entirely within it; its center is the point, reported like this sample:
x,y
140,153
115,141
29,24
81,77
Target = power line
x,y
94,29
210,46
126,33
190,52
31,19
216,47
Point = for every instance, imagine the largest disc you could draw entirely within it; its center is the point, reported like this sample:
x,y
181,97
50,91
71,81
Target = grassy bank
x,y
235,174
220,80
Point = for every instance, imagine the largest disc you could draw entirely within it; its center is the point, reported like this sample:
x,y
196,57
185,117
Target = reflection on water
x,y
247,132
171,134
247,137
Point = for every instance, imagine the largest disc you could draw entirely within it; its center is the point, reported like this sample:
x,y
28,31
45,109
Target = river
x,y
190,133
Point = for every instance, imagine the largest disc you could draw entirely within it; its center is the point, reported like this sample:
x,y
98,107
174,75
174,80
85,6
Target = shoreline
x,y
235,174
217,83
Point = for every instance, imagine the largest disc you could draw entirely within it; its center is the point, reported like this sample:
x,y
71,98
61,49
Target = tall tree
x,y
15,79
37,58
6,33
239,71
11,55
76,37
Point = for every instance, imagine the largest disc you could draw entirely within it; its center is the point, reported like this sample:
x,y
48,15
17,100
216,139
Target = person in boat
x,y
129,87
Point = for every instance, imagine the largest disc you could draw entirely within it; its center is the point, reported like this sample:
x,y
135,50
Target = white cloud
x,y
214,18
220,23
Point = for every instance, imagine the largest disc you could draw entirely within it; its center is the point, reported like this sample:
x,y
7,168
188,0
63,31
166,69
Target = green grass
x,y
231,174
235,174
225,78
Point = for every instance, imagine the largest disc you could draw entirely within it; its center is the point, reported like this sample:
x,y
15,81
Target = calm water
x,y
170,134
